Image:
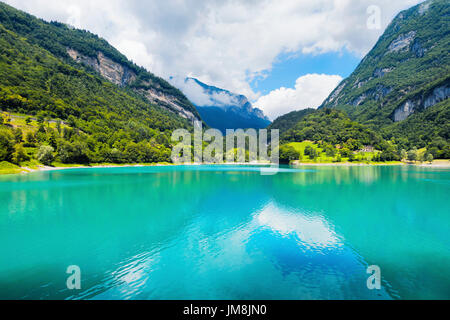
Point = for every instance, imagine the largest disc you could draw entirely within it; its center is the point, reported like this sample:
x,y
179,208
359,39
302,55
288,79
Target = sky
x,y
283,55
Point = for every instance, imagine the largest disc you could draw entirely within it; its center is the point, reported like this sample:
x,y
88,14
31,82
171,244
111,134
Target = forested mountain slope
x,y
81,47
106,111
289,120
407,73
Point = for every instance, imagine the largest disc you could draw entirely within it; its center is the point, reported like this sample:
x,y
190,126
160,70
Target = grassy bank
x,y
9,168
322,157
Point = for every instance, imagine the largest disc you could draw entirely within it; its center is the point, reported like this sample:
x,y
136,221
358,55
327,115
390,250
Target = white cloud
x,y
309,92
224,43
200,97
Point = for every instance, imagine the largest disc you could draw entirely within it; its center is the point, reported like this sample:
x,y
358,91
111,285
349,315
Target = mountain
x,y
289,120
402,86
72,91
222,109
81,47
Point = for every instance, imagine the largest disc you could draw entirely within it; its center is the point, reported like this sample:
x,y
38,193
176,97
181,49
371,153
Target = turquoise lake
x,y
225,232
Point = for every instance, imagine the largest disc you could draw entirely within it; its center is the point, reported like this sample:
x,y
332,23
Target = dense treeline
x,y
336,134
334,127
72,146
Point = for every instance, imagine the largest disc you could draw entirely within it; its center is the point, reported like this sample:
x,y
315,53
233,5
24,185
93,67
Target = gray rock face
x,y
107,68
359,100
377,93
379,73
404,111
424,8
439,94
333,98
122,76
417,48
167,103
403,42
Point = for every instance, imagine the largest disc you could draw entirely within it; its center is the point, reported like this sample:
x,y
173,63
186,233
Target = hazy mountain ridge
x,y
222,109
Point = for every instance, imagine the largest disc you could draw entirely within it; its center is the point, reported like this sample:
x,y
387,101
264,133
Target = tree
x,y
403,154
73,152
72,121
19,155
351,157
345,152
45,154
308,150
41,117
6,144
330,151
28,120
429,157
412,155
18,135
314,154
30,139
388,154
288,154
58,126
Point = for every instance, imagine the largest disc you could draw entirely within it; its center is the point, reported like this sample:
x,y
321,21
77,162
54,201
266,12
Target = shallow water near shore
x,y
226,232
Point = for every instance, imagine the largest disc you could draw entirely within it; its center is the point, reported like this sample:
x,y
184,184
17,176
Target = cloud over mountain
x,y
309,92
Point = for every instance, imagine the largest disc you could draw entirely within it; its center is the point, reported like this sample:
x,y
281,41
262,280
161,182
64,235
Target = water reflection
x,y
311,230
221,232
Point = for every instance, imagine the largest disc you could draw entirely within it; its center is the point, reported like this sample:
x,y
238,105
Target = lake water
x,y
222,232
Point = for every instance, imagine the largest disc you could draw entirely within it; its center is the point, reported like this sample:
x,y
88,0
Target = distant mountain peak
x,y
220,108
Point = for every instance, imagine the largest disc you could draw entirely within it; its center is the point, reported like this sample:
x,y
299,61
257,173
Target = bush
x,y
288,154
45,154
412,155
73,152
345,152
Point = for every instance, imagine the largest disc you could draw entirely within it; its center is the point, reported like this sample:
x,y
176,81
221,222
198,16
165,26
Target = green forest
x,y
339,138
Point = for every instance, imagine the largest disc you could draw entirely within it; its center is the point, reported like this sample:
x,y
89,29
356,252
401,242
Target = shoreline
x,y
436,164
